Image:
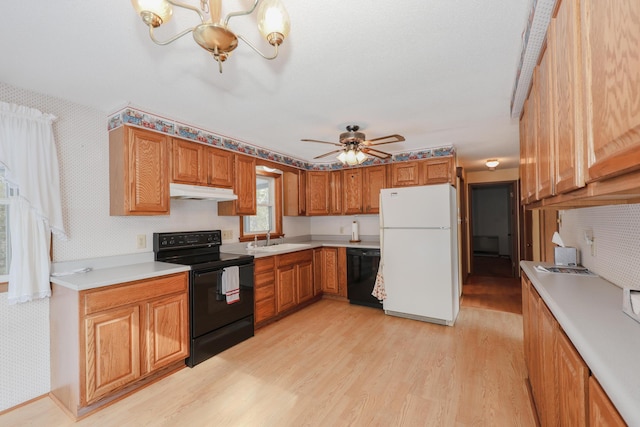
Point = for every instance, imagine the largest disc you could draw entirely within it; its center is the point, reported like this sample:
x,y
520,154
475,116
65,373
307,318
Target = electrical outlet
x,y
141,241
227,234
341,230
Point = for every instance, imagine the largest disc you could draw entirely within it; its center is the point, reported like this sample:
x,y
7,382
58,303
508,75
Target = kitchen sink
x,y
281,247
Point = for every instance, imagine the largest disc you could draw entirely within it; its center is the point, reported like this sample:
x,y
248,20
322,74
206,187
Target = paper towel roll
x,y
557,239
355,235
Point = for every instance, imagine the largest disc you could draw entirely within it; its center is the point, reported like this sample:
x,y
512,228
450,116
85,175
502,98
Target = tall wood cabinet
x,y
294,193
108,341
244,187
335,192
220,170
138,172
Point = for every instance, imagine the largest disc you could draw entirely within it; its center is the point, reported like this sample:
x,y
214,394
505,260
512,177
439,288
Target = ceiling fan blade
x,y
322,142
396,138
327,154
376,153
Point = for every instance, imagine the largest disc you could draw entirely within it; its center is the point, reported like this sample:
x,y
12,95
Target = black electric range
x,y
216,322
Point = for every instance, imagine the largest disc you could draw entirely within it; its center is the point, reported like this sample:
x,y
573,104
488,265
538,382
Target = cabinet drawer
x,y
264,264
265,309
295,257
263,292
100,299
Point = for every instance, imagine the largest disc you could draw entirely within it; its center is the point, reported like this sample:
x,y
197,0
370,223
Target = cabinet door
x,y
352,191
564,39
330,283
611,36
548,379
525,322
318,267
573,375
138,172
286,288
112,345
294,193
373,180
405,174
188,163
244,187
535,368
167,331
219,168
335,193
544,142
602,413
530,116
436,171
305,281
318,187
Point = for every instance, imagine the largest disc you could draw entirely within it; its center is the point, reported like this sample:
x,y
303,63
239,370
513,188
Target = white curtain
x,y
28,153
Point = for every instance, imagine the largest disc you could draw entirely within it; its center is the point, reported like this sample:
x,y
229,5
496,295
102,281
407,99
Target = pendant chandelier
x,y
213,33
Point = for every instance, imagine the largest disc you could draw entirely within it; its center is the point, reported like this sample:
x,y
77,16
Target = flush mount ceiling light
x,y
213,34
492,164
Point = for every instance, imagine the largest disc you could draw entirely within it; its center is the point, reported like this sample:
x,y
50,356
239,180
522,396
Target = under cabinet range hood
x,y
200,192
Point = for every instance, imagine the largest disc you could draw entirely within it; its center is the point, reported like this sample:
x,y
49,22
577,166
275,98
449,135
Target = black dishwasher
x,y
362,267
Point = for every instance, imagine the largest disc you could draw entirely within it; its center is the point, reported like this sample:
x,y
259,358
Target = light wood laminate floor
x,y
335,364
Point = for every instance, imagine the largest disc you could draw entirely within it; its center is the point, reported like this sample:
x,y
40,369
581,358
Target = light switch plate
x,y
227,234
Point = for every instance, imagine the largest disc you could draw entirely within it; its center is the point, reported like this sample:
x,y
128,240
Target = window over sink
x,y
268,218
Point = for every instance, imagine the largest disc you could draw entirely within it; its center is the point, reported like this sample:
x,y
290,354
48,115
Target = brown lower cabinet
x,y
107,342
558,376
288,282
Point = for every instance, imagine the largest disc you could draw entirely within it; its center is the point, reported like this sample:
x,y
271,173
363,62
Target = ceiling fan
x,y
355,147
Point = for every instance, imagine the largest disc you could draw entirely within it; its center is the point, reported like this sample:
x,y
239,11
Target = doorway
x,y
493,229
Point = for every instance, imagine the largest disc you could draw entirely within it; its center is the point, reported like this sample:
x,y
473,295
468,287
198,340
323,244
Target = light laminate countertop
x,y
114,275
310,245
589,309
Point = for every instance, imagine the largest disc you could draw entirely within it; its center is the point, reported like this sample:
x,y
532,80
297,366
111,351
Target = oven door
x,y
209,308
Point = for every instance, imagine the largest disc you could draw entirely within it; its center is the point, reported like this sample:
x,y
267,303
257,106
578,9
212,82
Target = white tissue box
x,y
565,256
626,303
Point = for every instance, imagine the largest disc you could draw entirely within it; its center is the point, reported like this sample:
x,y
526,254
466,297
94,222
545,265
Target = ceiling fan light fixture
x,y
352,157
492,164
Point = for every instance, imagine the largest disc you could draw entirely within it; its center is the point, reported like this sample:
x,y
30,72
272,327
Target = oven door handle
x,y
219,294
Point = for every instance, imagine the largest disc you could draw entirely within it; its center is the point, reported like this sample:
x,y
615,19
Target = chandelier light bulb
x,y
273,21
160,8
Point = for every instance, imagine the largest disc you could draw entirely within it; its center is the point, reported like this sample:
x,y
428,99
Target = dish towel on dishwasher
x,y
378,288
231,284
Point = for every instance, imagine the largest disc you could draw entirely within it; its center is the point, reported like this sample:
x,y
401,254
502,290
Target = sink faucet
x,y
268,238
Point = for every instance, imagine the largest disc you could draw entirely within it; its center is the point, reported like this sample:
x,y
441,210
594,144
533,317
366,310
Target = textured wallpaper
x,y
616,232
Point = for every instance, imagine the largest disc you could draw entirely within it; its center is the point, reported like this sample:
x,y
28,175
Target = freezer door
x,y
419,273
411,207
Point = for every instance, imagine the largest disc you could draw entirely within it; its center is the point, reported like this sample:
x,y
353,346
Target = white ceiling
x,y
439,72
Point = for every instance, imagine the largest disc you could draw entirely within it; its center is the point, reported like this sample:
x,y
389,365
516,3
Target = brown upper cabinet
x,y
436,170
294,183
352,191
219,167
335,193
587,108
197,164
610,40
318,193
244,187
374,179
188,163
566,86
138,172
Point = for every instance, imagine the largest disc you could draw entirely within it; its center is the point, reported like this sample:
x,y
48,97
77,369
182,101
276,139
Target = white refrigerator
x,y
419,245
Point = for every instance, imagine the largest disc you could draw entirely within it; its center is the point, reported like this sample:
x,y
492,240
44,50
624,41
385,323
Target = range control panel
x,y
191,239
